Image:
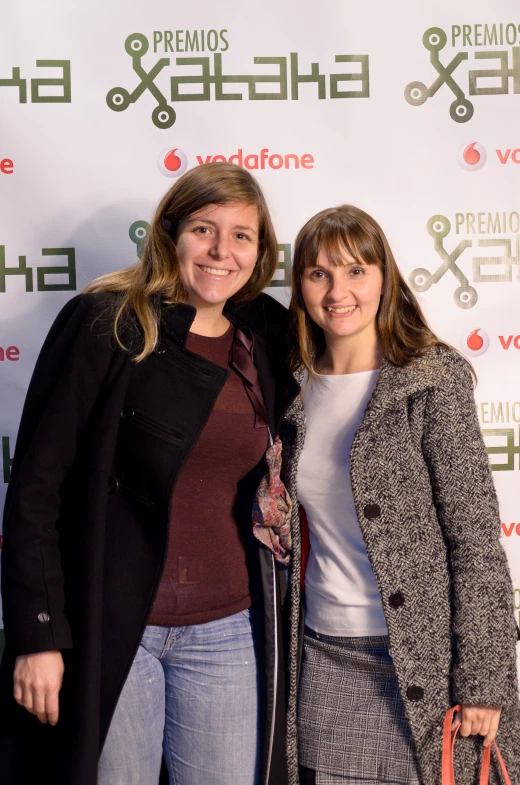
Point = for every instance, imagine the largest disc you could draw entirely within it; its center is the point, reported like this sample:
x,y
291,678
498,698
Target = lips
x,y
345,309
216,272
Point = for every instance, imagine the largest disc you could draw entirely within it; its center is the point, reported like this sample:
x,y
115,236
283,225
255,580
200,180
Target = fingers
x,y
480,721
492,730
457,719
39,705
52,708
37,682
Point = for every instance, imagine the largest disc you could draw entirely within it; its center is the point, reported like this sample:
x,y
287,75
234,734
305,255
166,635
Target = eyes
x,y
353,272
206,231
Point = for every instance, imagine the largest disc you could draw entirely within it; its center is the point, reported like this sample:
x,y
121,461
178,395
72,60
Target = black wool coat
x,y
101,443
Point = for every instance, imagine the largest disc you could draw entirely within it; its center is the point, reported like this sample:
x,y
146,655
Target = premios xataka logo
x,y
212,82
482,231
492,42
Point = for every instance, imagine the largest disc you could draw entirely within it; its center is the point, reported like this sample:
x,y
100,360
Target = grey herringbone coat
x,y
428,511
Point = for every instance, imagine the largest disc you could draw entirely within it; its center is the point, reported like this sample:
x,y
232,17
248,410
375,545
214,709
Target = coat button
x,y
113,485
372,511
127,413
43,617
415,693
396,600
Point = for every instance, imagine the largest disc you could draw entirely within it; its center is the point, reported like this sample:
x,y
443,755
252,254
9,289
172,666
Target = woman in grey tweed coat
x,y
428,514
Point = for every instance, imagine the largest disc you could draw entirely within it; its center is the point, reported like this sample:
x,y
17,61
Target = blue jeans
x,y
192,696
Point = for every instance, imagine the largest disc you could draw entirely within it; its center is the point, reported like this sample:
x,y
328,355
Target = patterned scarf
x,y
272,508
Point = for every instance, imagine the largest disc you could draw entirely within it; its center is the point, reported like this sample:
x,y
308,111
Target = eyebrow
x,y
345,264
209,221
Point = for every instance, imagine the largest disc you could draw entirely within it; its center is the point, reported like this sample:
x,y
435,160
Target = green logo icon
x,y
485,269
119,99
421,280
493,81
416,93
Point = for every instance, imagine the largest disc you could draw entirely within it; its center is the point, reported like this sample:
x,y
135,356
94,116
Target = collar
x,y
264,316
398,382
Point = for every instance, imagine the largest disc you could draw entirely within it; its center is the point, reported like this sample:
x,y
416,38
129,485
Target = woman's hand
x,y
37,683
478,720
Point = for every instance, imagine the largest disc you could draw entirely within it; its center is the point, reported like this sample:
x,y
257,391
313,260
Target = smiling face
x,y
217,249
343,299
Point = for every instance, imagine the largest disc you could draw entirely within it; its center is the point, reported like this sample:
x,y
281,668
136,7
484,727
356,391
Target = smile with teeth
x,y
215,271
348,309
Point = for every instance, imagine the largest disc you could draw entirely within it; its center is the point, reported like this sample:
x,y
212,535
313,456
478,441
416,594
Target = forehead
x,y
335,257
231,212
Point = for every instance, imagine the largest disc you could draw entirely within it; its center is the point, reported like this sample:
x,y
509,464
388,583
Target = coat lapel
x,y
393,385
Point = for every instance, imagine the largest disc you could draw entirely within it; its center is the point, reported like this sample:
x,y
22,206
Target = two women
x,y
408,600
142,617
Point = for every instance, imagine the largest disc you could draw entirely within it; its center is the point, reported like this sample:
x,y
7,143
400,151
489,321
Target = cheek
x,y
248,260
311,297
183,253
370,295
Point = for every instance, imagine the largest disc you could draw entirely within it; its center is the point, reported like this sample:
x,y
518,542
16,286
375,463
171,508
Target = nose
x,y
220,247
339,287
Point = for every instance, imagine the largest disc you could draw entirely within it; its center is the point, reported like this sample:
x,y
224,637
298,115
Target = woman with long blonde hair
x,y
407,596
142,615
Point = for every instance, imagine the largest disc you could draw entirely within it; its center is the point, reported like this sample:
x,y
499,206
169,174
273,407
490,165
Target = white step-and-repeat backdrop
x,y
408,110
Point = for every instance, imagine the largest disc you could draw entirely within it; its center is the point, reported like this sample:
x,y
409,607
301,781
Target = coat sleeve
x,y
68,377
484,629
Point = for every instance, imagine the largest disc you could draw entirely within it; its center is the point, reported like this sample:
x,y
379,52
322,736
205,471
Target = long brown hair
x,y
401,324
157,274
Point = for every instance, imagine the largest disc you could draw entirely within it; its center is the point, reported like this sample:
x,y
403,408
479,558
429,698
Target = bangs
x,y
334,241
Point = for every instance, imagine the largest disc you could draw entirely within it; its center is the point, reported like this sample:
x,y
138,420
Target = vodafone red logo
x,y
476,343
172,162
6,166
471,156
9,354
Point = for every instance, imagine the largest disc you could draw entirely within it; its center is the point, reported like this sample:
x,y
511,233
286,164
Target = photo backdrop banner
x,y
409,111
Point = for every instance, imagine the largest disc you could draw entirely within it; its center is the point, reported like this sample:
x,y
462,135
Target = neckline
x,y
345,375
213,338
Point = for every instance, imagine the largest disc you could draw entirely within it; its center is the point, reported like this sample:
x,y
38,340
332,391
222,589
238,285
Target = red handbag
x,y
448,747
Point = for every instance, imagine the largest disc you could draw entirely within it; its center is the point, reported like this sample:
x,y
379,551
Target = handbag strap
x,y
448,749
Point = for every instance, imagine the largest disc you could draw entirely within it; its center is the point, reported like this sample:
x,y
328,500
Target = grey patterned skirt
x,y
351,721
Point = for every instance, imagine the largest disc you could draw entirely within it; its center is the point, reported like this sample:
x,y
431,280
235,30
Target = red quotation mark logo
x,y
476,343
471,156
172,162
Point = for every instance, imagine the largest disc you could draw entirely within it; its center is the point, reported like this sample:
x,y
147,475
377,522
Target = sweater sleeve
x,y
64,388
484,629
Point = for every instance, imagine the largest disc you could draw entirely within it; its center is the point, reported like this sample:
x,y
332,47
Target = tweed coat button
x,y
127,413
43,617
113,485
372,511
415,693
396,600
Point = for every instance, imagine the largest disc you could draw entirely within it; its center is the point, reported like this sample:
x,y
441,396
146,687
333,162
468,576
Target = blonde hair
x,y
403,329
157,275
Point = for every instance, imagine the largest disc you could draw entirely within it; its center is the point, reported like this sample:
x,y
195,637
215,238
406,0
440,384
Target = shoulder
x,y
90,308
441,368
85,322
444,366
